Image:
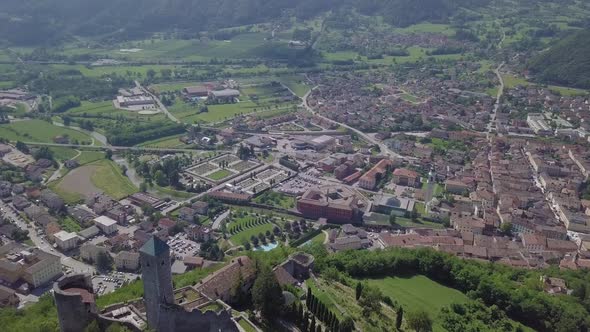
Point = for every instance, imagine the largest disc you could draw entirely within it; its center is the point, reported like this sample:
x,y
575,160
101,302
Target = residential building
x,y
127,261
406,177
370,179
468,224
534,242
65,240
106,224
34,266
90,252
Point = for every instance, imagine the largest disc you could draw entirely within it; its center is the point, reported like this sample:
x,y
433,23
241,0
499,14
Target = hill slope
x,y
565,63
35,22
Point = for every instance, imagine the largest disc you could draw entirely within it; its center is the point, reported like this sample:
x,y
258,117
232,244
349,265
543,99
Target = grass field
x,y
246,326
419,292
296,83
131,71
276,199
89,156
219,175
511,81
38,131
165,142
108,178
63,154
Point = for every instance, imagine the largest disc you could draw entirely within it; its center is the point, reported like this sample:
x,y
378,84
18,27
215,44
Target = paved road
x,y
76,266
384,148
219,220
161,106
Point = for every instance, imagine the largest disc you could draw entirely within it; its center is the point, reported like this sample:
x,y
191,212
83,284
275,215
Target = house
x,y
456,187
534,242
352,242
199,233
127,261
65,240
50,230
193,262
20,202
554,285
89,232
406,177
106,224
166,224
8,297
468,224
141,199
202,208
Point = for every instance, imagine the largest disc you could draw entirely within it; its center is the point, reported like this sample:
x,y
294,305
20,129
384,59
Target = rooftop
x,y
155,247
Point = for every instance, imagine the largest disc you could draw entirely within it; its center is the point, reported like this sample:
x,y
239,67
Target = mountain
x,y
36,22
566,63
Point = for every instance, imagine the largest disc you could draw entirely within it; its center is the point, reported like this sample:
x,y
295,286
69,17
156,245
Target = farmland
x,y
39,131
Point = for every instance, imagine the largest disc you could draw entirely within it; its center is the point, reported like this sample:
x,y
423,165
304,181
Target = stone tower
x,y
74,299
157,284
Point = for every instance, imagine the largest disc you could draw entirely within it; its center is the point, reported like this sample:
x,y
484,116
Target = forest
x,y
32,22
566,62
516,292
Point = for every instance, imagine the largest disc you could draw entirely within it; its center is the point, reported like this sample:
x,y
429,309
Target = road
x,y
492,124
116,148
95,135
161,106
384,148
76,266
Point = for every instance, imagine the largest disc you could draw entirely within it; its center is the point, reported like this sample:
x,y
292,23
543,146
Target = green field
x,y
219,175
165,142
63,154
131,71
296,83
89,156
108,177
419,292
38,131
511,81
244,225
275,199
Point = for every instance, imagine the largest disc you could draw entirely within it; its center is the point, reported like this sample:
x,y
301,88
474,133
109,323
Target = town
x,y
377,178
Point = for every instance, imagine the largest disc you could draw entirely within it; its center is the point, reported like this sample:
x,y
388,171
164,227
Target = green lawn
x,y
89,156
108,177
63,154
38,131
276,199
246,326
164,142
219,175
297,84
70,225
419,292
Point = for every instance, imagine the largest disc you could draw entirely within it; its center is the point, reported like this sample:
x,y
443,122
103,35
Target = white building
x,y
106,224
65,240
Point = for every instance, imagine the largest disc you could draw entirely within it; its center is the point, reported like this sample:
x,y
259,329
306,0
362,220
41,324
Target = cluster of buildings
x,y
134,99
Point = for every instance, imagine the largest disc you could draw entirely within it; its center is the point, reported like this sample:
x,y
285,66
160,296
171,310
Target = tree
x,y
108,154
22,147
151,74
267,294
370,300
359,290
419,321
506,228
399,317
104,262
43,153
143,187
347,325
92,327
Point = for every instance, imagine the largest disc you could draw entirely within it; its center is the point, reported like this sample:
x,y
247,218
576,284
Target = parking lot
x,y
180,246
104,284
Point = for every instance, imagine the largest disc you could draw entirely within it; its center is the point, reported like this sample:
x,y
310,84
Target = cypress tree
x,y
359,290
312,326
308,298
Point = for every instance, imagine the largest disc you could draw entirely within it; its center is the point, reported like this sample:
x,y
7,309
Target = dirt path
x,y
79,181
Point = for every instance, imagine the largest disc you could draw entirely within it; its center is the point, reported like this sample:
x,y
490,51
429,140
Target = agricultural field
x,y
419,292
130,71
39,131
86,157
